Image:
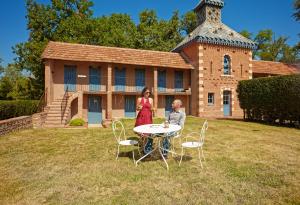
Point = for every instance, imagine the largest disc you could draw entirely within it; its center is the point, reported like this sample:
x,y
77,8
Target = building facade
x,y
101,83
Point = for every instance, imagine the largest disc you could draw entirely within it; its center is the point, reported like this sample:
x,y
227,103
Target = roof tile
x,y
80,52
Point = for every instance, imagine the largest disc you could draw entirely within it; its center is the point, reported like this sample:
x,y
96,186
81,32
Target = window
x,y
120,79
227,65
179,81
139,79
211,67
161,81
211,99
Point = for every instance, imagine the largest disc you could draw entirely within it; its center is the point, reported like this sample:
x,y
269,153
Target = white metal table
x,y
158,130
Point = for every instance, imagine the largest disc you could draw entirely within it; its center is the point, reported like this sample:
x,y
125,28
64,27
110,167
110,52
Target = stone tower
x,y
209,10
221,57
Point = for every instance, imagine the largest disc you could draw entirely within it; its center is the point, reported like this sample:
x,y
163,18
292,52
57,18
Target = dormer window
x,y
227,65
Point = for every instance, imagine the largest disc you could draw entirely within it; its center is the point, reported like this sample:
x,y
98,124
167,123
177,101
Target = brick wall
x,y
214,80
15,124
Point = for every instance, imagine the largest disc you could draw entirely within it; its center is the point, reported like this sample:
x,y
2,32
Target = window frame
x,y
211,97
227,65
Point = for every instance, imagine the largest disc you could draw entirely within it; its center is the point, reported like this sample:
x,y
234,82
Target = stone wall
x,y
38,119
25,122
15,124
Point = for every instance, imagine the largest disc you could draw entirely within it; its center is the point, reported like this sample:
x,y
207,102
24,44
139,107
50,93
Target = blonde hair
x,y
177,101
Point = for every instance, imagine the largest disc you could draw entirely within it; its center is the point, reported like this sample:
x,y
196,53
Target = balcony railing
x,y
131,85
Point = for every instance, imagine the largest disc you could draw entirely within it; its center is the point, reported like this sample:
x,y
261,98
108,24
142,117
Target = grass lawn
x,y
247,163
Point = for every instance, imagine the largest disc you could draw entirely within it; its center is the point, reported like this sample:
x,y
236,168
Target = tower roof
x,y
212,30
218,34
218,3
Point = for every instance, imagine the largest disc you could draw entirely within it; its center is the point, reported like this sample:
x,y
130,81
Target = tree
x,y
297,8
189,22
246,34
50,22
1,67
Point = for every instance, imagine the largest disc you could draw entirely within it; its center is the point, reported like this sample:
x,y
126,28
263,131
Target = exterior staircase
x,y
58,113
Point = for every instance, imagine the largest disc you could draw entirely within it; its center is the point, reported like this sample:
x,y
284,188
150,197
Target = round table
x,y
157,130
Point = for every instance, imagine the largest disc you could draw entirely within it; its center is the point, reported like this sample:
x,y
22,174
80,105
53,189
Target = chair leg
x,y
118,150
181,156
133,156
199,155
203,154
173,144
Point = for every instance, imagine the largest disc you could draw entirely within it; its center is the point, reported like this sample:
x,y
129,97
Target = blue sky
x,y
252,15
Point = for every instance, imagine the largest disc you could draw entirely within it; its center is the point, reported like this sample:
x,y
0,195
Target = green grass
x,y
247,163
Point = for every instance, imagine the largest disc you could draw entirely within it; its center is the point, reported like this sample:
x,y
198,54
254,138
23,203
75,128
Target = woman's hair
x,y
144,90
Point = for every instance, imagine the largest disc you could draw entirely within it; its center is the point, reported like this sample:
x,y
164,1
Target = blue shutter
x,y
70,78
120,79
94,110
168,105
139,79
95,79
130,106
178,81
162,81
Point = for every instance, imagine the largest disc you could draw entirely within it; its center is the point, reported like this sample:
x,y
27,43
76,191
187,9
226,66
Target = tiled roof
x,y
80,52
216,33
273,68
219,3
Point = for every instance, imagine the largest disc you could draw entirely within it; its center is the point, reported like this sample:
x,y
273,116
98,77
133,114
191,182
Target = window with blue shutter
x,y
161,81
120,79
130,106
139,79
70,77
227,65
179,81
94,79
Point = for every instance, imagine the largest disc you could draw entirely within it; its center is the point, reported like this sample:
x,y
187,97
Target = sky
x,y
252,15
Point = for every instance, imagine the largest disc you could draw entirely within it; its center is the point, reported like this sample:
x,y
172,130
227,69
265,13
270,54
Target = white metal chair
x,y
196,143
122,140
177,136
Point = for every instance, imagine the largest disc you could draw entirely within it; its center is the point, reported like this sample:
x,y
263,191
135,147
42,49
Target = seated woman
x,y
176,117
144,117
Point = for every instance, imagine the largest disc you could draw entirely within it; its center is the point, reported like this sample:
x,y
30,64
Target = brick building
x,y
99,83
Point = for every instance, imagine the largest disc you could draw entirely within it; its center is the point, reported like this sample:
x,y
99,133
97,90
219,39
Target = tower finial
x,y
209,10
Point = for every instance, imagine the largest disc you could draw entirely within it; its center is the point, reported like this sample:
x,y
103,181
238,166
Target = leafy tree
x,y
155,34
5,87
246,34
62,20
189,22
116,30
297,8
1,67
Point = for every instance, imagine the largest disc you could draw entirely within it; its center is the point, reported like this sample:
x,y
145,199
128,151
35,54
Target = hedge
x,y
272,99
16,108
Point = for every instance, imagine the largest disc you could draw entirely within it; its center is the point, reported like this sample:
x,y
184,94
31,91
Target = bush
x,y
16,108
77,122
273,99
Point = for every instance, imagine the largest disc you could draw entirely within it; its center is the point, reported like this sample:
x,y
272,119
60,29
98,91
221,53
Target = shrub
x,y
77,122
271,99
16,108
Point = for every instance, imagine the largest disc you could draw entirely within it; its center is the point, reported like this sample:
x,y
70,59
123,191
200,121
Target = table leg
x,y
160,151
136,163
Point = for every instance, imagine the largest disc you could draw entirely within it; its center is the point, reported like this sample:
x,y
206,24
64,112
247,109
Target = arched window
x,y
227,65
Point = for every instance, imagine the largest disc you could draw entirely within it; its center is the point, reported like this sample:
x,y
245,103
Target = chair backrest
x,y
118,130
203,131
